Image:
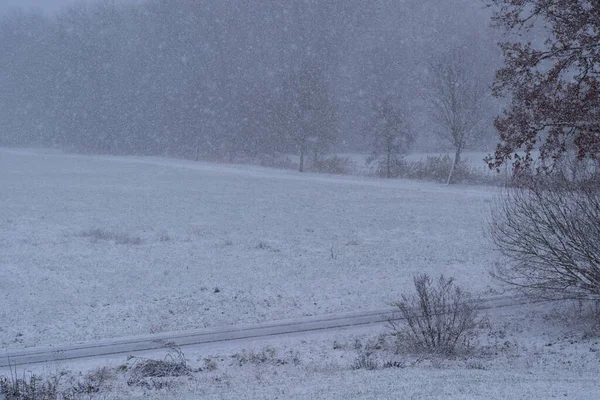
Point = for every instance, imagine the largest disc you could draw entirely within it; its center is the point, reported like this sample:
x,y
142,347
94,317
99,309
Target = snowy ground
x,y
535,352
98,247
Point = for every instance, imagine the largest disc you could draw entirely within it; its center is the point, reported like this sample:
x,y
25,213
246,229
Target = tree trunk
x,y
455,162
315,158
457,156
197,155
388,164
301,167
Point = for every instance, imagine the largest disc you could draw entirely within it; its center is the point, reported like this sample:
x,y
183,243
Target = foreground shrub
x,y
437,316
268,355
27,388
143,371
549,231
366,361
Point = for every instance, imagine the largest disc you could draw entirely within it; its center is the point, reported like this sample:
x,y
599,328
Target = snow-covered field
x,y
534,352
98,247
529,353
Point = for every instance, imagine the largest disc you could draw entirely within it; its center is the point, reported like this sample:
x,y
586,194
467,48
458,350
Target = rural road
x,y
136,344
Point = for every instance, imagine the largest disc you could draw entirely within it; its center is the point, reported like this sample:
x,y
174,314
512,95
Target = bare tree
x,y
305,112
454,96
390,135
550,233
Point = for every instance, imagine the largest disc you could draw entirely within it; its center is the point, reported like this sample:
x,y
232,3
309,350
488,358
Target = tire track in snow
x,y
246,332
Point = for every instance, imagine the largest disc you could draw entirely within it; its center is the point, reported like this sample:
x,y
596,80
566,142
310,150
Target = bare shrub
x,y
144,370
393,168
97,234
266,356
164,237
276,161
365,360
580,316
476,365
335,165
432,168
210,364
94,382
394,364
266,246
123,238
520,177
437,316
353,242
591,314
54,387
550,234
27,388
118,238
437,168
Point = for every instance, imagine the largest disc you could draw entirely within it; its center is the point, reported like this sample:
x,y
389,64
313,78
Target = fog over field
x,y
239,81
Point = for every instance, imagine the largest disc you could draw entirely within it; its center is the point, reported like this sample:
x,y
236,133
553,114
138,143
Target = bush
x,y
432,168
276,161
549,232
53,387
366,361
398,167
437,168
32,388
437,316
268,355
118,238
144,371
334,165
94,382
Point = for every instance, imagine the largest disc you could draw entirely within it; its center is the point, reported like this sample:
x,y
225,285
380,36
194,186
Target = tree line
x,y
223,80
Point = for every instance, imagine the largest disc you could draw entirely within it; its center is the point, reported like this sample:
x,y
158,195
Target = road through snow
x,y
132,345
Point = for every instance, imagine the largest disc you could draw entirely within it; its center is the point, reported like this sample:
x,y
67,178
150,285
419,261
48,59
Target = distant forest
x,y
230,79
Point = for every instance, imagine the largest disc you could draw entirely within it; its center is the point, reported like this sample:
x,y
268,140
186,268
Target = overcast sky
x,y
46,5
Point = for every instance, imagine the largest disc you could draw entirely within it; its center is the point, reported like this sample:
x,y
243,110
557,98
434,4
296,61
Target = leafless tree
x,y
550,233
454,96
305,112
390,134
